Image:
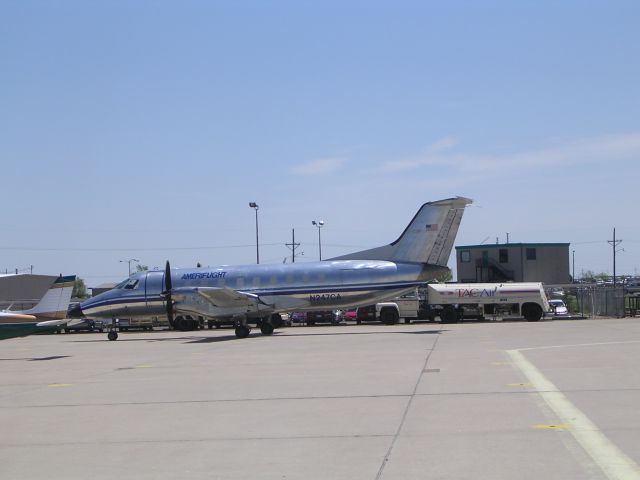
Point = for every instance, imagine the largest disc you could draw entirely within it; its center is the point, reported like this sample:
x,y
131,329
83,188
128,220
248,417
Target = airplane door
x,y
153,287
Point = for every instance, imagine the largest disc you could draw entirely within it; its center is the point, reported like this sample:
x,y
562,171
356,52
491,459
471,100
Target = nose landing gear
x,y
113,330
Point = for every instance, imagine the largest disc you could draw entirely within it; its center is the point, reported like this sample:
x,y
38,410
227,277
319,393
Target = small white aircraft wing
x,y
221,297
52,323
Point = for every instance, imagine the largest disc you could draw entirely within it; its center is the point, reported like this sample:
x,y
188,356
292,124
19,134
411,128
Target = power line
x,y
129,249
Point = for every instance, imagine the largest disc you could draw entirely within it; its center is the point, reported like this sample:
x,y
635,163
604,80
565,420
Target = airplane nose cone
x,y
75,311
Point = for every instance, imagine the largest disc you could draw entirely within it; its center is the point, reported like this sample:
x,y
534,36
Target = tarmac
x,y
496,400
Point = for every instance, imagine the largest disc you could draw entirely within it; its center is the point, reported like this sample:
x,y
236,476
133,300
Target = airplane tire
x,y
266,328
113,335
242,331
185,324
276,320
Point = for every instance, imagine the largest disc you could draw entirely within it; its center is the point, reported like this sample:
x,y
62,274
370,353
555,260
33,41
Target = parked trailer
x,y
449,300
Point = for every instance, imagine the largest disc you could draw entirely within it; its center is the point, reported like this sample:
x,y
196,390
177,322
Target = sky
x,y
143,129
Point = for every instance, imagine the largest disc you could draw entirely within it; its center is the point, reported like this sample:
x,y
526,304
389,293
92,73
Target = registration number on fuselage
x,y
325,297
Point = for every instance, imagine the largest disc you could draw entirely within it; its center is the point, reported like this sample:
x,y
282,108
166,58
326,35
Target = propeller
x,y
167,293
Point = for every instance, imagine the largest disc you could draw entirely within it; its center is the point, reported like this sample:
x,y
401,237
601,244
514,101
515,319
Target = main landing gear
x,y
266,324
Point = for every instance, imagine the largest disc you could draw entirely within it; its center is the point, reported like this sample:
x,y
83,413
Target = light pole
x,y
319,225
573,270
128,262
254,205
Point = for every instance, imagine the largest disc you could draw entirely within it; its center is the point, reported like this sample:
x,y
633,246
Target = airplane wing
x,y
52,323
221,297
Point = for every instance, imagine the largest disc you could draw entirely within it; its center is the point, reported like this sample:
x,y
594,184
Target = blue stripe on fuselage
x,y
141,299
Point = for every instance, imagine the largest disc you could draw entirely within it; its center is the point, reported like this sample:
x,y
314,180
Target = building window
x,y
465,256
504,255
531,253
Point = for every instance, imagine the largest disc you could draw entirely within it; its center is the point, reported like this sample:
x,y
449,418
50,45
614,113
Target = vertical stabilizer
x,y
427,239
55,302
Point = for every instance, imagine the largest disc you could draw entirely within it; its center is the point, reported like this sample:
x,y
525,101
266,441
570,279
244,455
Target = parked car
x,y
323,316
555,292
632,287
286,319
297,317
558,308
349,315
230,322
365,314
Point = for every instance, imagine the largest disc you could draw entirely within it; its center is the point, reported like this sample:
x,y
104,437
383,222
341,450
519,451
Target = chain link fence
x,y
592,300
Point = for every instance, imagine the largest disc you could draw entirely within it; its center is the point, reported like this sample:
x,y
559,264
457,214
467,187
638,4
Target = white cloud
x,y
443,144
605,148
321,166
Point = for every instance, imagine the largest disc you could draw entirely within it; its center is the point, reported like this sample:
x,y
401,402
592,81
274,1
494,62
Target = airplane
x,y
46,316
259,293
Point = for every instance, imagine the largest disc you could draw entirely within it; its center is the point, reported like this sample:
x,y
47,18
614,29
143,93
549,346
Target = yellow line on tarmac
x,y
59,385
615,464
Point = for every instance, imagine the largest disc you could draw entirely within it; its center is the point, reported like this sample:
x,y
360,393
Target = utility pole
x,y
614,243
293,245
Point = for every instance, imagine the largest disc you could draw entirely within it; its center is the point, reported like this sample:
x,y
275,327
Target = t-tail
x,y
55,302
427,239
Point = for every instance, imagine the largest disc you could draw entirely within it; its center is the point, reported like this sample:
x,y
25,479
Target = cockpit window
x,y
122,284
131,284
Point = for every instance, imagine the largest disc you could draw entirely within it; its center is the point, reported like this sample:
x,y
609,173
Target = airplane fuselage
x,y
280,287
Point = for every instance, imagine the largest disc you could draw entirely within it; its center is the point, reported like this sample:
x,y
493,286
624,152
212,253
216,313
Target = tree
x,y
588,276
444,277
79,289
141,268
